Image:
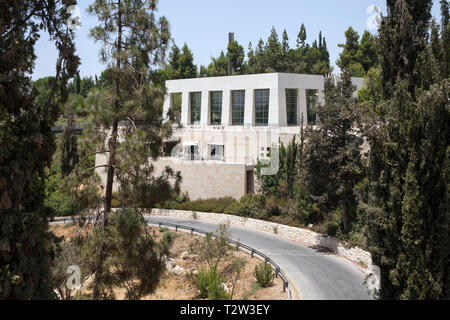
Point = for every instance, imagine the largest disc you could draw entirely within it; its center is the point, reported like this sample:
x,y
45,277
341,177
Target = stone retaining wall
x,y
309,237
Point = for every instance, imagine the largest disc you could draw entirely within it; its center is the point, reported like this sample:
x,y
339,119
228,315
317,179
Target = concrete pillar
x,y
185,118
226,107
249,111
204,112
282,111
273,107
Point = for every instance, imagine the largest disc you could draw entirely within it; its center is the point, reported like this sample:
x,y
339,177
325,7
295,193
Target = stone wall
x,y
207,179
309,237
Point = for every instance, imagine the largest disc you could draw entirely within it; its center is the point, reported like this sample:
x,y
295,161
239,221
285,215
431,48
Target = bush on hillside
x,y
264,274
209,284
216,205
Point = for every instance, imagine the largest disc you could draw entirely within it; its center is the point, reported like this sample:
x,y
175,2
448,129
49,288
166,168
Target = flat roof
x,y
252,75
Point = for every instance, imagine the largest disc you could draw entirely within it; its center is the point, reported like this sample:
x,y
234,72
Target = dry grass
x,y
180,287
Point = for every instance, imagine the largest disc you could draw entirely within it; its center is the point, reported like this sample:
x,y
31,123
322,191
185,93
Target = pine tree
x,y
349,58
174,63
236,56
218,66
273,52
187,67
134,40
368,53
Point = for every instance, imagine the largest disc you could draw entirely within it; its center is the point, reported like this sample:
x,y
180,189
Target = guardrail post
x,y
284,286
192,231
253,251
160,225
176,228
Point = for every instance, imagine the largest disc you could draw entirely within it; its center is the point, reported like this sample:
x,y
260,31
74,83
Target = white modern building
x,y
230,122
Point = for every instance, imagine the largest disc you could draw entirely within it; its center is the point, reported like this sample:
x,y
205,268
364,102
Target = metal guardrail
x,y
252,251
238,245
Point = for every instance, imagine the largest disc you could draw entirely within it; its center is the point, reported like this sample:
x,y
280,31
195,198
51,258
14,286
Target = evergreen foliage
x,y
27,143
332,155
181,63
358,57
408,130
264,274
276,56
127,112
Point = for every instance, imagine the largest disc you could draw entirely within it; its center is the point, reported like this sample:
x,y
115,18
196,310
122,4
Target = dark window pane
x,y
196,102
216,107
291,106
311,103
238,107
176,106
262,106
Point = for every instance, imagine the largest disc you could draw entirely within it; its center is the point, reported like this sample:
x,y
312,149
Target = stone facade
x,y
216,160
213,178
247,142
305,236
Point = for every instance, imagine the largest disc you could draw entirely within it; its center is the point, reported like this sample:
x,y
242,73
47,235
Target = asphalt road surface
x,y
316,274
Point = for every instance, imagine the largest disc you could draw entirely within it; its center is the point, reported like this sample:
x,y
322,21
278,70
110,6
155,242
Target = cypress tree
x,y
301,38
69,152
409,159
27,143
332,153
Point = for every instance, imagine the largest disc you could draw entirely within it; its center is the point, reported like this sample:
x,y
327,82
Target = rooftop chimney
x,y
230,40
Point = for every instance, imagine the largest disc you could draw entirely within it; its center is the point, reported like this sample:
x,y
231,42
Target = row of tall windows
x,y
262,97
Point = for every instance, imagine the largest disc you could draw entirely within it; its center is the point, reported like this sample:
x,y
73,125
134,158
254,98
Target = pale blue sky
x,y
204,26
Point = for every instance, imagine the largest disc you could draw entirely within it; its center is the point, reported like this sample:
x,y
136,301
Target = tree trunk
x,y
111,162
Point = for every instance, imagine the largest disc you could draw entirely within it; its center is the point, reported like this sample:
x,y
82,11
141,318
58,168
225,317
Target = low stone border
x,y
355,254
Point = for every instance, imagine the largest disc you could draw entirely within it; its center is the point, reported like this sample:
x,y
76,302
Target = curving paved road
x,y
317,275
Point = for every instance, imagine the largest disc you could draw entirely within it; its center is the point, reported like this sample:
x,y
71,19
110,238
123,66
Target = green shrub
x,y
273,206
264,274
174,203
61,203
215,205
332,228
251,206
209,284
287,220
232,209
